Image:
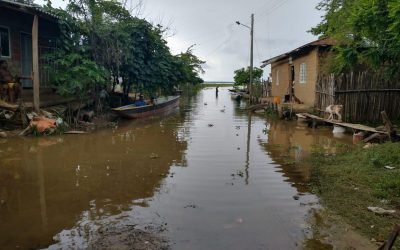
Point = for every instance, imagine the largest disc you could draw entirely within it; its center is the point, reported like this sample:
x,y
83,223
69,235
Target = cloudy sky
x,y
280,26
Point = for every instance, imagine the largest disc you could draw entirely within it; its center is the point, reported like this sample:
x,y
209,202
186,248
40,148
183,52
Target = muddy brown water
x,y
206,177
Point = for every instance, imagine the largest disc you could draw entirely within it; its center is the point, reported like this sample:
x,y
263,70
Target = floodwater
x,y
206,177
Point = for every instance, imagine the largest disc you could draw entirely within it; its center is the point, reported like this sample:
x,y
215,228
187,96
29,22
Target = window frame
x,y
303,73
9,42
277,77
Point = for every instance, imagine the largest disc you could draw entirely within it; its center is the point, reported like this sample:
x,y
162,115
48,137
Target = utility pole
x,y
251,58
250,84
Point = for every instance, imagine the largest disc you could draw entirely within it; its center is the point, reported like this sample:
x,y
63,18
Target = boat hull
x,y
132,112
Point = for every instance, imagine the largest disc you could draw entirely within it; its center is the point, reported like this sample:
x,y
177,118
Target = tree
x,y
242,76
129,48
367,33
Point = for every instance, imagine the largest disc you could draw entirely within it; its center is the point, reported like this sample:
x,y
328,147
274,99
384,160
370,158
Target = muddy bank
x,y
129,238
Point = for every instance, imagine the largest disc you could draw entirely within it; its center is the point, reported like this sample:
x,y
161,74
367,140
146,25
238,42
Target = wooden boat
x,y
161,105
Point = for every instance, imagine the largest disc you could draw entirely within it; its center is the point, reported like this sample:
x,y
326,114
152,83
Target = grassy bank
x,y
355,179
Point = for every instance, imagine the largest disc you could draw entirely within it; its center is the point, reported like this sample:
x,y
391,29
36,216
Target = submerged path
x,y
207,177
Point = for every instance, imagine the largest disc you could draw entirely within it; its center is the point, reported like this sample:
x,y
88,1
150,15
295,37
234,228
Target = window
x,y
303,73
5,42
277,77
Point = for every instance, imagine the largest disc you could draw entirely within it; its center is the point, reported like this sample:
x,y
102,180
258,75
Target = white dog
x,y
334,109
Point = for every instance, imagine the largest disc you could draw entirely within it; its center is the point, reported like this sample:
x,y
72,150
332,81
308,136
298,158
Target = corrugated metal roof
x,y
27,8
320,42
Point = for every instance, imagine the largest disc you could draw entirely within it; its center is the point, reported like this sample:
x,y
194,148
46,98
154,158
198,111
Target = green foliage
x,y
128,48
388,187
76,75
349,182
242,76
367,33
386,155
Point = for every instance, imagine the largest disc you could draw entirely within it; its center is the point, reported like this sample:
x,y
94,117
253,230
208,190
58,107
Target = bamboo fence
x,y
363,95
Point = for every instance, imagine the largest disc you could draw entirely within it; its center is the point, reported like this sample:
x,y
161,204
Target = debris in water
x,y
211,125
154,156
296,197
3,134
190,206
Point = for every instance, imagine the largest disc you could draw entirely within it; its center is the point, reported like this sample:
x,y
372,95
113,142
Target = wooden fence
x,y
363,95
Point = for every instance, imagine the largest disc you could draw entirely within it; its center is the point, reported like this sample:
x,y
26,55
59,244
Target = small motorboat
x,y
159,106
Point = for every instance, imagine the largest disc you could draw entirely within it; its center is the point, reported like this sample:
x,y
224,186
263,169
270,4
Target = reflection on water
x,y
290,144
206,177
47,184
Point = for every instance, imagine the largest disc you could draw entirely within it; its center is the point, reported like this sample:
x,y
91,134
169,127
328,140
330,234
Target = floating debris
x,y
190,206
240,173
154,156
3,134
211,125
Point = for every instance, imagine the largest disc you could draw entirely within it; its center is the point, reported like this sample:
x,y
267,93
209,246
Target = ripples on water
x,y
206,177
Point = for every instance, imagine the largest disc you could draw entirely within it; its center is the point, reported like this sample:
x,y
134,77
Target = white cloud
x,y
280,26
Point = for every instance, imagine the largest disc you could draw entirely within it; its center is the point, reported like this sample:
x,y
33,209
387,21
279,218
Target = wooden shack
x,y
27,33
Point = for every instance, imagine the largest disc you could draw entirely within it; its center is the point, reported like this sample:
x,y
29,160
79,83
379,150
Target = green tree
x,y
242,76
366,31
129,48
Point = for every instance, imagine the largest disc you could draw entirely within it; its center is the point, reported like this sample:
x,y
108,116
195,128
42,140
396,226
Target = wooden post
x,y
392,238
35,63
388,124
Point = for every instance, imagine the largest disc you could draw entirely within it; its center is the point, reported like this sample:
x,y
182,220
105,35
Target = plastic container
x,y
277,100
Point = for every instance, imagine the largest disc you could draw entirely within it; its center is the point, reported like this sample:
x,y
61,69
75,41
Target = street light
x,y
249,87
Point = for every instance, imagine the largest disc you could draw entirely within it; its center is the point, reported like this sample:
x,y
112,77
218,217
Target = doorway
x,y
26,59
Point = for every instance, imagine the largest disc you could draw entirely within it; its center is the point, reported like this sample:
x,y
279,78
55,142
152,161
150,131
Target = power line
x,y
258,51
219,46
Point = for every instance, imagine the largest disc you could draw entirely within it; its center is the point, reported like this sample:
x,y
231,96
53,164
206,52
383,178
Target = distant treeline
x,y
218,83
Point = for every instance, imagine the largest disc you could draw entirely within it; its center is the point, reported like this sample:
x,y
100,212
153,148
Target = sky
x,y
209,25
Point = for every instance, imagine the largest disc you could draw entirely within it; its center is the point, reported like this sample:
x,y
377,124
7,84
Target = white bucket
x,y
338,129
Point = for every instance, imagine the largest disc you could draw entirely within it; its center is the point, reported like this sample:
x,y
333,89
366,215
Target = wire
x,y
276,5
258,51
219,46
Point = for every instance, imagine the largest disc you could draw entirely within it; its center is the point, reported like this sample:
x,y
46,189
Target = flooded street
x,y
206,177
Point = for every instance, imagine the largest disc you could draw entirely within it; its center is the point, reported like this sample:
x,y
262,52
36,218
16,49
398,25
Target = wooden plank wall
x,y
363,94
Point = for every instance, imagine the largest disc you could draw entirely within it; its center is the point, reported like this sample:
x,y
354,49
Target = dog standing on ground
x,y
334,109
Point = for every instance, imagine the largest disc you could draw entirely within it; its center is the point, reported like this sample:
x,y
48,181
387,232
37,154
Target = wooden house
x,y
27,33
295,73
